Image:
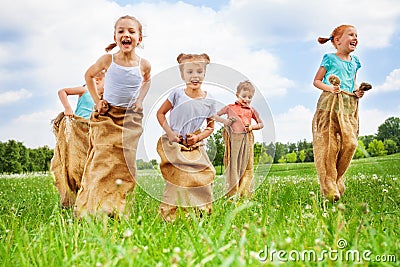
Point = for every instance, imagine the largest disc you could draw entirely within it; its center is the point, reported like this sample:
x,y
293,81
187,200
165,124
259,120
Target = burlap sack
x,y
70,152
110,169
335,133
239,161
188,175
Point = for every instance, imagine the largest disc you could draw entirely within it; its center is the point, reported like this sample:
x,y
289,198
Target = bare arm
x,y
145,69
204,134
63,95
102,63
218,118
359,93
322,86
257,118
162,111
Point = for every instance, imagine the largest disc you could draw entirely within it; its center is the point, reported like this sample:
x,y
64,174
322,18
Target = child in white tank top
x,y
116,124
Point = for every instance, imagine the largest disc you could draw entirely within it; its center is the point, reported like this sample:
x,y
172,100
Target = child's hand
x,y
137,107
102,107
68,112
248,128
335,89
192,139
359,93
228,122
174,137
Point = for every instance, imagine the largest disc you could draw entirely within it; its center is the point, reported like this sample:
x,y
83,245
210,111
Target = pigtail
x,y
323,40
110,47
180,57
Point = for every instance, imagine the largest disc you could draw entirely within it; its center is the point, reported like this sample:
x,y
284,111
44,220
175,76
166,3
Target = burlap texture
x,y
110,169
239,162
188,175
70,152
335,132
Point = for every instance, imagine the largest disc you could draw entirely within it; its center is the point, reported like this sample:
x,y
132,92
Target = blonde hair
x,y
245,86
185,58
337,32
112,45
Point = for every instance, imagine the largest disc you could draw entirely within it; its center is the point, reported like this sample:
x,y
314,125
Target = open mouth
x,y
195,82
126,42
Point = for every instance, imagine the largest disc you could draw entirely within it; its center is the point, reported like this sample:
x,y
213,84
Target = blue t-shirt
x,y
345,70
85,105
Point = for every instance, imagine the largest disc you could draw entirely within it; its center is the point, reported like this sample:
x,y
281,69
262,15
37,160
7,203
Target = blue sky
x,y
48,45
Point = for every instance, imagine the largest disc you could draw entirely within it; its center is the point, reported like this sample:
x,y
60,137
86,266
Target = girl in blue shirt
x,y
335,123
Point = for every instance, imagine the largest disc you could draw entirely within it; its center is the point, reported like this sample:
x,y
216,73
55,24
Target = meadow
x,y
285,223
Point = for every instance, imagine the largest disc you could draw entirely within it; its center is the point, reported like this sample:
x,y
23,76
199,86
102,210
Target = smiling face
x,y
193,74
348,41
245,96
127,34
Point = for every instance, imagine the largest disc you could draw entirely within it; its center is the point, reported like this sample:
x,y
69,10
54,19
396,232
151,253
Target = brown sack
x,y
188,174
70,152
110,170
239,161
335,133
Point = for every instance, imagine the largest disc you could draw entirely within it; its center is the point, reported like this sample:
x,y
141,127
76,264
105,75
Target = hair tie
x,y
330,38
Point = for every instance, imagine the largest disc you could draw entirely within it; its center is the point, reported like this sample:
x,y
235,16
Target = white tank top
x,y
122,84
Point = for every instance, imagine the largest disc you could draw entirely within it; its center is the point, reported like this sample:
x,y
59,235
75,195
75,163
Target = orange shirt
x,y
242,114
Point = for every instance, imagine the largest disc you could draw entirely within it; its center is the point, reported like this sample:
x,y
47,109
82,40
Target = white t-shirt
x,y
187,114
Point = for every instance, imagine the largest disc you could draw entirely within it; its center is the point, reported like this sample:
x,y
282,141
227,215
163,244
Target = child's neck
x,y
195,92
344,55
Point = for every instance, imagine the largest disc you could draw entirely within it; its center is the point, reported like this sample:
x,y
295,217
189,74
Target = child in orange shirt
x,y
239,140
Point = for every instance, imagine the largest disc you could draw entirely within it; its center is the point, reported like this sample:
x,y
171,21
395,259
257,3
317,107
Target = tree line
x,y
16,158
385,142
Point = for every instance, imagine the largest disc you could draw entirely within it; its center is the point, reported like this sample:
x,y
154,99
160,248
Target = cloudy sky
x,y
48,45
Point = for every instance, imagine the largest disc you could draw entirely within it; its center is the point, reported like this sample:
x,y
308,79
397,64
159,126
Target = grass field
x,y
285,223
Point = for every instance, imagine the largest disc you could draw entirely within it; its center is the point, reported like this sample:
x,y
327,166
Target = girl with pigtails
x,y
335,124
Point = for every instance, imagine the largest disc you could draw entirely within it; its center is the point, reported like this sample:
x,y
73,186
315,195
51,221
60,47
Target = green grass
x,y
281,217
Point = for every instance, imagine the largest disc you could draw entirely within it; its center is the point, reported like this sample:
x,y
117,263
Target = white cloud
x,y
11,97
270,22
392,83
34,129
294,125
371,119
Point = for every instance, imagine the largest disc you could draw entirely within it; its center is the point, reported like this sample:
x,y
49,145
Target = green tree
x,y
376,148
302,155
216,149
280,151
390,129
361,152
266,159
390,146
11,158
2,155
291,157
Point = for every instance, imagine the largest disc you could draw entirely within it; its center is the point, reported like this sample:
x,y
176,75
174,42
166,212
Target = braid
x,y
110,47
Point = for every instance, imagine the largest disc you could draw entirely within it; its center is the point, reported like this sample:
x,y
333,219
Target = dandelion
x,y
177,250
384,190
118,182
128,233
374,177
